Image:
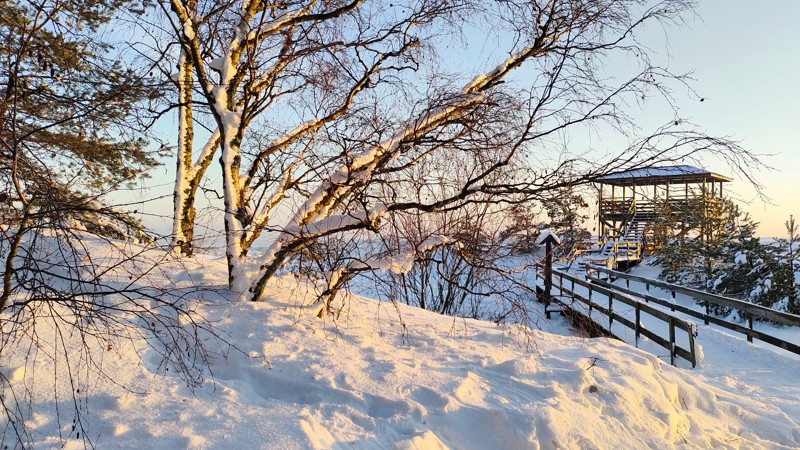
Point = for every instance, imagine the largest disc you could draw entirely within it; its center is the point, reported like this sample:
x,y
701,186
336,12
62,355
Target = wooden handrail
x,y
620,207
672,321
748,308
749,332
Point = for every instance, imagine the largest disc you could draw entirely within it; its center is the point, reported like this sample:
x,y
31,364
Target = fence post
x,y
671,340
673,301
637,331
692,333
610,311
548,276
708,312
749,325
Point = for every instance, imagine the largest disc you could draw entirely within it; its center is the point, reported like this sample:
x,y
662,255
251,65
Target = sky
x,y
745,64
745,59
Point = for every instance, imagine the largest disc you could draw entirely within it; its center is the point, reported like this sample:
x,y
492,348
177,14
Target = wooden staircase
x,y
629,244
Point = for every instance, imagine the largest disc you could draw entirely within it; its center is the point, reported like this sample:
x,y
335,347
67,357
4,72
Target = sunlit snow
x,y
385,375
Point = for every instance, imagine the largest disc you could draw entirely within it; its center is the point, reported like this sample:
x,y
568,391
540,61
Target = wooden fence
x,y
566,285
749,310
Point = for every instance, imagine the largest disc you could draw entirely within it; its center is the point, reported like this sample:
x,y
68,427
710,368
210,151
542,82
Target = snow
x,y
338,222
480,80
230,119
218,63
741,258
299,130
433,242
321,227
404,261
666,171
544,235
188,29
384,375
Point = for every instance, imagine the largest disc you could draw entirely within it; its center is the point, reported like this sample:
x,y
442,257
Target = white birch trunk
x,y
234,230
189,173
183,198
231,131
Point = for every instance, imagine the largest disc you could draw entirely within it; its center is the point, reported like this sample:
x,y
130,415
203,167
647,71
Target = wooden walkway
x,y
600,306
749,311
608,307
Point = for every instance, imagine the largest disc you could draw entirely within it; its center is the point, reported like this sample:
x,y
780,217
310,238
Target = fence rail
x,y
607,309
750,310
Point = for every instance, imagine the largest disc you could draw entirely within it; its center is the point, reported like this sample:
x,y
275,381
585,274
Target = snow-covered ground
x,y
387,376
765,371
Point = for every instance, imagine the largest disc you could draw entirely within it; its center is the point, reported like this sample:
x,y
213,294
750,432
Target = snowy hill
x,y
385,376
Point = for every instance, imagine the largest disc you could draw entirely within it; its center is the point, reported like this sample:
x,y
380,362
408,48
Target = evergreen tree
x,y
699,239
523,228
70,132
739,263
680,262
793,265
567,212
68,114
719,251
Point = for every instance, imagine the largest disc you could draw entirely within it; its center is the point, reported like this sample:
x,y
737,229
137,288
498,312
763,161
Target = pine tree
x,y
727,258
70,111
567,212
739,261
68,129
747,268
523,228
698,240
793,257
680,262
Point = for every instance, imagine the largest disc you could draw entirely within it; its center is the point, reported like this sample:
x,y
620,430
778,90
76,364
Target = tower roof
x,y
662,175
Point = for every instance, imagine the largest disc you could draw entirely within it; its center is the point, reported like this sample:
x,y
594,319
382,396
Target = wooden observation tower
x,y
641,209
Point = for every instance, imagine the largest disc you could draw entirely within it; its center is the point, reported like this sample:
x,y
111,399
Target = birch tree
x,y
189,173
74,288
321,107
269,52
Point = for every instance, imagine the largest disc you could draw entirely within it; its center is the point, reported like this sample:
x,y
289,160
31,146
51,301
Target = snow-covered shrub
x,y
732,261
757,270
479,274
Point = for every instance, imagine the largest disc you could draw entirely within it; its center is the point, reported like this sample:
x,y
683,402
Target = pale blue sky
x,y
746,61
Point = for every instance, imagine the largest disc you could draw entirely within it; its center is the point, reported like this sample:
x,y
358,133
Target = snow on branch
x,y
323,227
361,167
398,264
403,262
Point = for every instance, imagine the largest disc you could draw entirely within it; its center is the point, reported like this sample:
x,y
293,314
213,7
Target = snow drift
x,y
383,375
